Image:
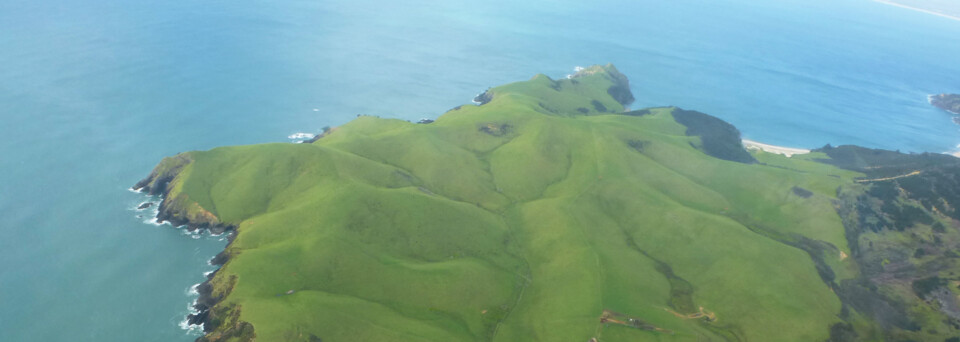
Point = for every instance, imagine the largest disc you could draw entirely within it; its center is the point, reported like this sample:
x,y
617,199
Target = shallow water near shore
x,y
94,94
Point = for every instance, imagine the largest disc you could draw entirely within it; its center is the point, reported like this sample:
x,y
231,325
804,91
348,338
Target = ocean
x,y
94,93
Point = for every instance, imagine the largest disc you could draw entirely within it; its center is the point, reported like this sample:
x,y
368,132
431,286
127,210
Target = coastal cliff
x,y
564,217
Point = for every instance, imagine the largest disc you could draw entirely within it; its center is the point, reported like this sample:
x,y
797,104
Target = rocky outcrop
x,y
620,90
483,98
158,182
220,322
176,207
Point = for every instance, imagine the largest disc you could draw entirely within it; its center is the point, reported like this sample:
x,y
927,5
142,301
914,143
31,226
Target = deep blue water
x,y
94,93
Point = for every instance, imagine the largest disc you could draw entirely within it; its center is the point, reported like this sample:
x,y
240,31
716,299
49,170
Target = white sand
x,y
787,151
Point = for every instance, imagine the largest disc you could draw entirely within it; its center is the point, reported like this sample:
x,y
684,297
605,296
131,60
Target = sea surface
x,y
94,93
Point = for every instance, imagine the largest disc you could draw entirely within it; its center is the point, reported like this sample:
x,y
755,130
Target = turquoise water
x,y
94,93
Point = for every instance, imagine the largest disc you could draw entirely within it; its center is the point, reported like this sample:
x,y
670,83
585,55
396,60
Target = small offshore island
x,y
947,102
549,212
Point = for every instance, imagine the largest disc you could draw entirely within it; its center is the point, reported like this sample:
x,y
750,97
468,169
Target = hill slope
x,y
545,214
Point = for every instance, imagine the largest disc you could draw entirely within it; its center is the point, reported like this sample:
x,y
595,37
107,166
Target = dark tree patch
x,y
599,106
842,332
548,108
802,192
496,129
620,91
719,138
640,112
637,145
923,287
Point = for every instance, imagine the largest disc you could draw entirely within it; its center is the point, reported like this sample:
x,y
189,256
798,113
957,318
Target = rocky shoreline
x,y
174,209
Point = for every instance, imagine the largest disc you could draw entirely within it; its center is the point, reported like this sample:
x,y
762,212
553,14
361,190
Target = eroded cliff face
x,y
176,207
179,210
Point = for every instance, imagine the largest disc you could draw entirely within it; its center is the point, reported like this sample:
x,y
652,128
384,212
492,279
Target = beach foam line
x,y
787,151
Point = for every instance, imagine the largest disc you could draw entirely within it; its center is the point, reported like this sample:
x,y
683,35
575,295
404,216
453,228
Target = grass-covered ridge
x,y
545,214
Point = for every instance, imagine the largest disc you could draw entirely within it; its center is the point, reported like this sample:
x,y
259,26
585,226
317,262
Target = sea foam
x,y
191,329
301,135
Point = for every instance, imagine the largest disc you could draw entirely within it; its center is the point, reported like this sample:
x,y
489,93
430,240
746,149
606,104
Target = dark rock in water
x,y
145,205
483,98
198,318
220,259
947,102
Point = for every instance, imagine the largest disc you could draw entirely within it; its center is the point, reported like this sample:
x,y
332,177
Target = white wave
x,y
192,290
576,70
154,221
301,135
316,109
207,274
191,329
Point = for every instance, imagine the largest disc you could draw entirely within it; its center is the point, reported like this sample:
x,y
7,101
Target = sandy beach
x,y
918,9
787,151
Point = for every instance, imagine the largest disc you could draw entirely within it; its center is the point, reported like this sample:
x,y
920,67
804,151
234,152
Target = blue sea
x,y
94,93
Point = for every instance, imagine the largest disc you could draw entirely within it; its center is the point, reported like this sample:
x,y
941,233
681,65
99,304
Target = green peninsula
x,y
549,213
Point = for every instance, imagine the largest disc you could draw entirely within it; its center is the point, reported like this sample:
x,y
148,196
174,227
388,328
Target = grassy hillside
x,y
545,214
